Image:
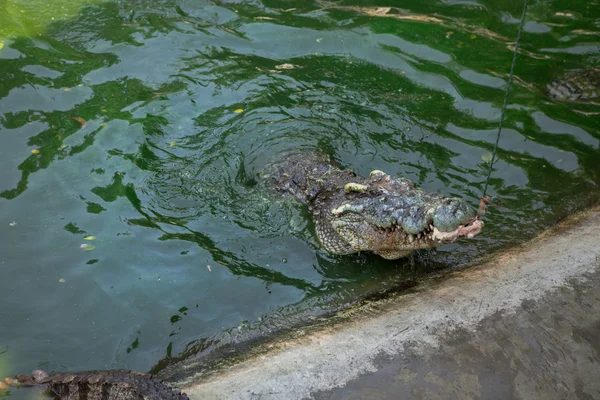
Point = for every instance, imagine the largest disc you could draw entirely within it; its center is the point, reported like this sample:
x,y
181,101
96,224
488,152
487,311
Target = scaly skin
x,y
388,216
103,385
580,85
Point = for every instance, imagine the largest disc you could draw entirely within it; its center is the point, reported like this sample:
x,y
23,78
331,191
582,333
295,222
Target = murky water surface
x,y
138,129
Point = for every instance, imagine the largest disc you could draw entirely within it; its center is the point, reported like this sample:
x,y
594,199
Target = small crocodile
x,y
101,385
388,216
579,85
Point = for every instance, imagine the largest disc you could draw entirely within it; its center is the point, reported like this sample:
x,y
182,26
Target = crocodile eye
x,y
448,202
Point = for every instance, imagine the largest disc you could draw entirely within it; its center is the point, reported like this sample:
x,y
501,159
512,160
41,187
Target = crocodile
x,y
579,85
114,384
381,214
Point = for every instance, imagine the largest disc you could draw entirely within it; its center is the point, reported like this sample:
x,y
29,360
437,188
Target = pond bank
x,y
525,324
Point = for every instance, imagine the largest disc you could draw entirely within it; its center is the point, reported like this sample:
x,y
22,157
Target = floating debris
x,y
487,158
82,121
286,66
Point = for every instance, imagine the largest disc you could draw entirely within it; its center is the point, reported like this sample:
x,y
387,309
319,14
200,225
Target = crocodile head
x,y
391,217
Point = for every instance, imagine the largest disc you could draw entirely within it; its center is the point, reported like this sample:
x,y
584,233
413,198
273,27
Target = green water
x,y
163,174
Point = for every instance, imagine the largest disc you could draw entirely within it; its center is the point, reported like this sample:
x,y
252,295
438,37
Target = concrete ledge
x,y
526,320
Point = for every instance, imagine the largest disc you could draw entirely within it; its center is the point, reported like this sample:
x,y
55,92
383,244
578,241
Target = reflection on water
x,y
185,103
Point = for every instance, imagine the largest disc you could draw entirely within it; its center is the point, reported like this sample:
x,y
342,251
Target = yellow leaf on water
x,y
67,89
35,151
82,121
172,144
1,44
487,158
62,146
239,111
62,280
89,238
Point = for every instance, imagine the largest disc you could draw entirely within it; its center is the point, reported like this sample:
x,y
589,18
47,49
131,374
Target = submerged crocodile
x,y
101,385
580,85
388,216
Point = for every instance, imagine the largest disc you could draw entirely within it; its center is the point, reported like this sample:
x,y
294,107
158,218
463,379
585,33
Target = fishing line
x,y
510,76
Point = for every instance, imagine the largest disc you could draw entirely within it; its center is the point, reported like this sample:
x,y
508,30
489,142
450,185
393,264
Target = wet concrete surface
x,y
524,325
546,349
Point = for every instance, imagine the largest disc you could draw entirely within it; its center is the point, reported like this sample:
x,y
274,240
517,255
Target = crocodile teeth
x,y
419,236
411,238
